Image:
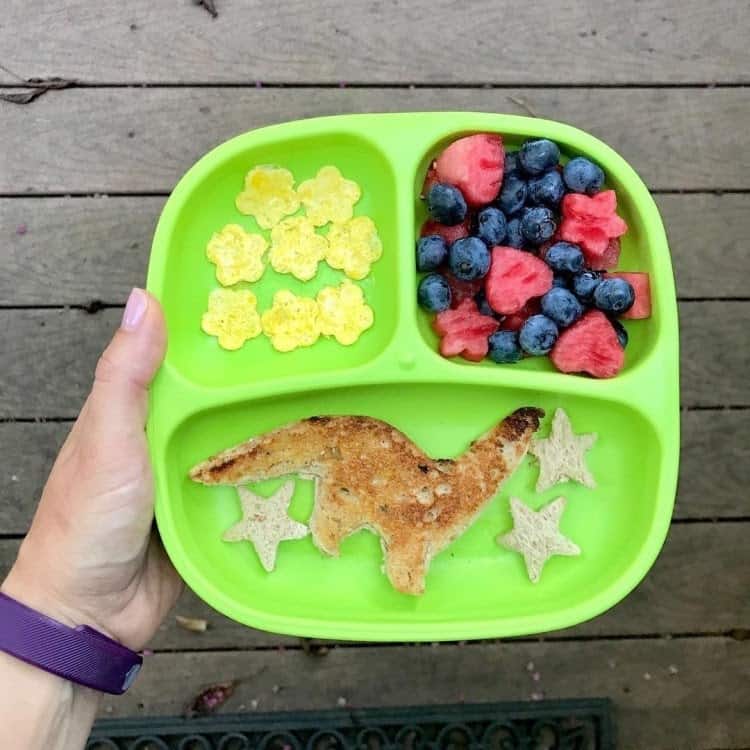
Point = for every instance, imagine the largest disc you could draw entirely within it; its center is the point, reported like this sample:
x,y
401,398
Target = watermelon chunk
x,y
599,206
597,210
610,257
589,345
474,165
515,276
462,290
642,287
592,240
514,321
598,255
591,222
465,331
449,233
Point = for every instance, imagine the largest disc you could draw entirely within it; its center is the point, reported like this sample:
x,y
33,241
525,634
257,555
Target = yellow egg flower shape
x,y
296,248
268,195
344,314
291,321
238,254
232,317
354,246
329,196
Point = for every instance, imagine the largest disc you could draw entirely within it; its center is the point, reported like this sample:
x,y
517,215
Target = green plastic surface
x,y
206,399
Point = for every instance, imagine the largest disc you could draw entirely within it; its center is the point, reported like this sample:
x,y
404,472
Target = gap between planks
x,y
445,85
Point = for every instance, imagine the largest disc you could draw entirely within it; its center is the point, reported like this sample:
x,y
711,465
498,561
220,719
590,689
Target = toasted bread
x,y
370,475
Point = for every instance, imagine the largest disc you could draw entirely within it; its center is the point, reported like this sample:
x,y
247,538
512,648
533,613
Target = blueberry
x,y
446,204
512,195
483,306
511,163
614,296
537,156
491,225
432,252
560,281
622,334
469,258
538,335
538,224
513,237
565,257
434,293
585,284
562,306
504,347
583,176
546,190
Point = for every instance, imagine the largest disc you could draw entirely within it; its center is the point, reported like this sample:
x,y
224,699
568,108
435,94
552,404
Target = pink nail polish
x,y
135,309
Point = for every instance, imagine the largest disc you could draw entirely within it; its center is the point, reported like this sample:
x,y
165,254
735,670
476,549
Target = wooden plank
x,y
713,360
681,693
75,250
361,40
670,601
708,228
714,464
144,140
50,357
716,439
70,251
27,452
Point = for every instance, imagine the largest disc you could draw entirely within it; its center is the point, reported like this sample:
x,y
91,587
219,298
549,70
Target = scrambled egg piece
x,y
297,248
268,195
232,317
353,246
238,255
329,196
344,313
291,321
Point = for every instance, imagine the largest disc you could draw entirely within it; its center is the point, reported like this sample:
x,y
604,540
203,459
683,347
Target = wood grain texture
x,y
50,355
714,464
143,140
75,250
704,705
714,362
49,359
714,467
27,452
377,41
713,229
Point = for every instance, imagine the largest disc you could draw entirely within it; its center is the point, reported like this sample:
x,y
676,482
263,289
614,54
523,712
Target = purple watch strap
x,y
81,655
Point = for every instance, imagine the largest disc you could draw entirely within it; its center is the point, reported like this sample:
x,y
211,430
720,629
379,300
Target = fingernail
x,y
135,309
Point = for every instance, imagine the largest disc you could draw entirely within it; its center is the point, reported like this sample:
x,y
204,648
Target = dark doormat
x,y
546,725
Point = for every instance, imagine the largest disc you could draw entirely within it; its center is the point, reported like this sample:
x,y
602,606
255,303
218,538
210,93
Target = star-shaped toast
x,y
562,455
266,523
536,535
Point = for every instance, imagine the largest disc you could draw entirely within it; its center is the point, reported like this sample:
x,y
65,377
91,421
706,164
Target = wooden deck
x,y
86,170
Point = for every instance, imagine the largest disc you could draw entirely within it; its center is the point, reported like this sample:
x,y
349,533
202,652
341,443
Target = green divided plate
x,y
206,399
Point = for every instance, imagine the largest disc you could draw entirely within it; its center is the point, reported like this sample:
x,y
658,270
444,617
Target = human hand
x,y
91,556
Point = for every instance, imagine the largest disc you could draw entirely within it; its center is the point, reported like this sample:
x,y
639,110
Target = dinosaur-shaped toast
x,y
370,475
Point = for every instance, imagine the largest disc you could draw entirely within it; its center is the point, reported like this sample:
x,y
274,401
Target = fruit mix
x,y
518,253
351,245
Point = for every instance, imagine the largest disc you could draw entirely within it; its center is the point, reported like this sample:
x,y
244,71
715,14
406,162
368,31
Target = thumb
x,y
119,397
